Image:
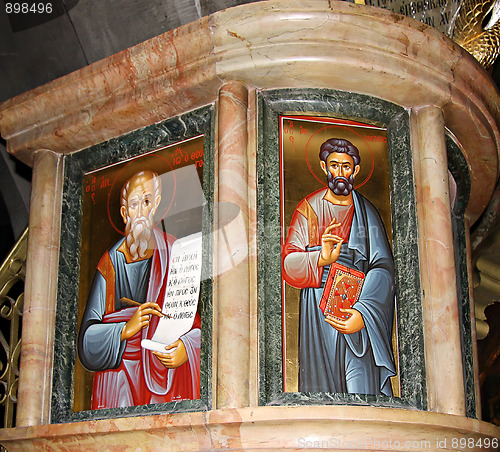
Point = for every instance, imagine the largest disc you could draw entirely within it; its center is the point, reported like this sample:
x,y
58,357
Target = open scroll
x,y
182,293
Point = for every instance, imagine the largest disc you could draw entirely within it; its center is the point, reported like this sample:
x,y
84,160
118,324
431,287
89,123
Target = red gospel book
x,y
342,289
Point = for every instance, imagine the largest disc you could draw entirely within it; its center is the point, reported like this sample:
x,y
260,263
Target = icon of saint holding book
x,y
338,254
124,307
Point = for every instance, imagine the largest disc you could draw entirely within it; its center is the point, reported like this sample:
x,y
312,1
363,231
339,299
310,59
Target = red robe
x,y
140,378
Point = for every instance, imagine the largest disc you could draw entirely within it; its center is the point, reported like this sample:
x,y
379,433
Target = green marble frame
x,y
457,165
134,144
366,109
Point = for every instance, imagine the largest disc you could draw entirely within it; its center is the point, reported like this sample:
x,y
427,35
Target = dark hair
x,y
341,146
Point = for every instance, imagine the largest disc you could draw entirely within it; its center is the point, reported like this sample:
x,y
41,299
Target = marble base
x,y
263,428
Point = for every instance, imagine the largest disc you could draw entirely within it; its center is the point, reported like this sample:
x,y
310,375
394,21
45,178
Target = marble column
x,y
443,352
232,294
252,246
35,376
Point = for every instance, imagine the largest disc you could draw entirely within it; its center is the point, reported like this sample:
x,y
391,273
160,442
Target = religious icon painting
x,y
139,329
338,271
144,229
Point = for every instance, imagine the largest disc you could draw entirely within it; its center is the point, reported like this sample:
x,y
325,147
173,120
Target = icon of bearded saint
x,y
336,226
124,307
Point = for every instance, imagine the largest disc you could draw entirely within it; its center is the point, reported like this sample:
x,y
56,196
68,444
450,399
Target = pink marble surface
x,y
152,81
252,246
257,428
443,351
35,375
232,292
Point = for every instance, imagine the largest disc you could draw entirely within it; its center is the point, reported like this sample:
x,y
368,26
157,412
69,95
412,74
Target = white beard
x,y
138,233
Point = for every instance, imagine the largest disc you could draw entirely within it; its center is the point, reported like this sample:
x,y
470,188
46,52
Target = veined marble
x,y
225,60
264,428
272,44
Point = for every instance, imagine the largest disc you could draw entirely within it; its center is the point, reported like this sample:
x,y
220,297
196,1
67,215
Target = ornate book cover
x,y
342,289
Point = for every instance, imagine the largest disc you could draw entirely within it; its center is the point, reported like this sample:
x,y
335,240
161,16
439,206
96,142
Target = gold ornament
x,y
477,29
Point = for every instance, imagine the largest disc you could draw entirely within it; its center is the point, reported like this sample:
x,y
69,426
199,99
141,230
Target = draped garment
x,y
330,361
127,374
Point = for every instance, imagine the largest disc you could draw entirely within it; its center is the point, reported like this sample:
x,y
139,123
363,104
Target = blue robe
x,y
101,347
330,361
126,373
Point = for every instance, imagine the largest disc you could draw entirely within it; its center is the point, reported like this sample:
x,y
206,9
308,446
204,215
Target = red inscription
x,y
182,157
375,138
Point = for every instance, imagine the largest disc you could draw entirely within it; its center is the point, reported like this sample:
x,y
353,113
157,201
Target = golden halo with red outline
x,y
342,135
133,167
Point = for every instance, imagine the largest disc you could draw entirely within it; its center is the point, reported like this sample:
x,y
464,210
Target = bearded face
x,y
340,171
138,231
340,185
141,196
